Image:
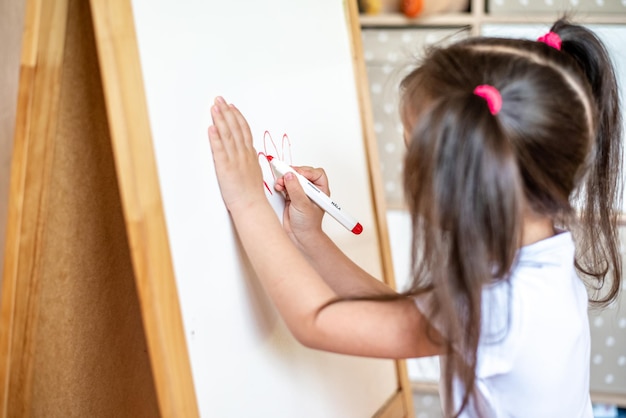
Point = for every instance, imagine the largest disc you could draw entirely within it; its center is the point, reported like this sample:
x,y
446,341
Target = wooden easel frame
x,y
57,106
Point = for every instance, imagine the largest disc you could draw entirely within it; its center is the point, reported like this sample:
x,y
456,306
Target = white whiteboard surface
x,y
287,65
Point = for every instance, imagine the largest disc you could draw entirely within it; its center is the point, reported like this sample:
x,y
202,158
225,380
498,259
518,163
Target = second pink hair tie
x,y
491,95
552,39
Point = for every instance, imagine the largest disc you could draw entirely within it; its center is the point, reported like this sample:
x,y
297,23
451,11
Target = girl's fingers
x,y
294,190
219,134
214,139
227,125
243,125
316,176
236,163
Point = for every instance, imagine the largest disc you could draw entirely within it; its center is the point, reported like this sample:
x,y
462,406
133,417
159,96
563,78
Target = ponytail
x,y
602,195
465,193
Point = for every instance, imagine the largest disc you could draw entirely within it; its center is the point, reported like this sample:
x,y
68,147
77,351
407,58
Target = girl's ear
x,y
406,135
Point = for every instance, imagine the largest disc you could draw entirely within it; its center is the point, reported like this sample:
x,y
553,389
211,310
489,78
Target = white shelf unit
x,y
478,16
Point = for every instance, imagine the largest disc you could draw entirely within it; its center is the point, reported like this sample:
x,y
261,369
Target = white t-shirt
x,y
533,355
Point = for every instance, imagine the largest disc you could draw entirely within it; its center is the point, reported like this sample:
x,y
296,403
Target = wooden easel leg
x,y
72,341
41,63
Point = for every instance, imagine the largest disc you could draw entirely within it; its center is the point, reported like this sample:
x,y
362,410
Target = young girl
x,y
514,151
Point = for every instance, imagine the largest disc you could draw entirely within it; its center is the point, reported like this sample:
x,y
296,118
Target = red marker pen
x,y
320,198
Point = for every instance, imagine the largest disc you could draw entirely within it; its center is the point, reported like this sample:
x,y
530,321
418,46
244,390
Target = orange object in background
x,y
412,8
420,8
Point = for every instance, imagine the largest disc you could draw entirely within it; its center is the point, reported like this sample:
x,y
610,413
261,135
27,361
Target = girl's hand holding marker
x,y
316,195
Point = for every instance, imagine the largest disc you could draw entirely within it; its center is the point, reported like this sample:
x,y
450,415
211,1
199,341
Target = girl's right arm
x,y
305,301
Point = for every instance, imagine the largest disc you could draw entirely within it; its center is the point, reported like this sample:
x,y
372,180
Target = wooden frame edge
x,y
131,138
371,149
395,407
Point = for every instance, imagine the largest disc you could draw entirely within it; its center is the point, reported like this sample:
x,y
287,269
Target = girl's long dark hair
x,y
469,177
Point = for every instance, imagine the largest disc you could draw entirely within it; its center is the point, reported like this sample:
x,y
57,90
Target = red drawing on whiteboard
x,y
285,150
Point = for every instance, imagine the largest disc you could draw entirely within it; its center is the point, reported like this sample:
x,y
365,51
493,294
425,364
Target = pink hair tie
x,y
491,95
552,39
